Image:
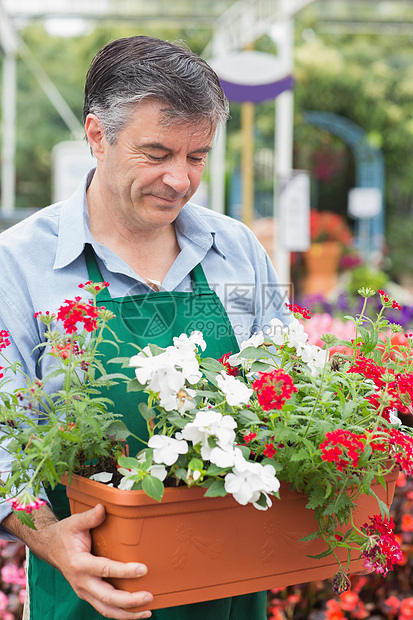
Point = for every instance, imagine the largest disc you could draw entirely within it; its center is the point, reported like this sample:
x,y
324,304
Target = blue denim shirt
x,y
42,264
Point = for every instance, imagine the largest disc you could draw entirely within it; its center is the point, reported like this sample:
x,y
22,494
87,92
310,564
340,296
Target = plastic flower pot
x,y
199,548
321,261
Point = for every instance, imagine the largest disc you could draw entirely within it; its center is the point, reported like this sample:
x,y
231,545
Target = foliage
x,y
324,426
279,410
49,434
376,278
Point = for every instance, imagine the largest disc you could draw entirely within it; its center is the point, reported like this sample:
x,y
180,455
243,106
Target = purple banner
x,y
257,92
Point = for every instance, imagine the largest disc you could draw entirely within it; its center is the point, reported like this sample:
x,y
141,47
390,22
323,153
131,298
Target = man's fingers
x,y
114,603
104,568
88,519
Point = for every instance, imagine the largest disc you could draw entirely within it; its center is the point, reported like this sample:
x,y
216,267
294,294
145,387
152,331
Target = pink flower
x,y
4,601
11,573
19,504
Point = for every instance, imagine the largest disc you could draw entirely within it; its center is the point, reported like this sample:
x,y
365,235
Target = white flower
x,y
255,341
314,357
394,418
190,342
218,456
127,482
182,401
248,480
167,372
185,400
277,332
236,392
210,423
166,450
296,336
158,471
104,477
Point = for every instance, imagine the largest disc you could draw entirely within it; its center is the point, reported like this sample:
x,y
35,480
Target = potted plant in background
x,y
329,234
279,418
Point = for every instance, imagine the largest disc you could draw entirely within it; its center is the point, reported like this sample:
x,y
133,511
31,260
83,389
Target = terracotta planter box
x,y
199,549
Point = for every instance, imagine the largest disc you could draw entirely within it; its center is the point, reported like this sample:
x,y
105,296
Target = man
x,y
151,111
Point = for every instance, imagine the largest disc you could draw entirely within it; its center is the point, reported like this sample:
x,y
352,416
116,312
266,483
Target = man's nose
x,y
177,176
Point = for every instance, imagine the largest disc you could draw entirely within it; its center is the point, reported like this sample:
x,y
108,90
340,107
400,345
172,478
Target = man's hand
x,y
66,545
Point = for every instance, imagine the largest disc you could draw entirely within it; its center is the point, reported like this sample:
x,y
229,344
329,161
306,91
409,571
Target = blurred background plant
x,y
370,596
12,579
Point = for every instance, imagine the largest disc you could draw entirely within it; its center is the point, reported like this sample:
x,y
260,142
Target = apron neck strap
x,y
94,272
198,278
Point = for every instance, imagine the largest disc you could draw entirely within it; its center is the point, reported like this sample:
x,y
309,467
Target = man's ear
x,y
94,134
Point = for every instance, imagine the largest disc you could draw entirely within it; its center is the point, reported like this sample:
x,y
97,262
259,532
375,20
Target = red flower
x,y
406,608
249,437
369,369
273,389
295,309
407,522
63,352
349,600
269,450
392,603
382,550
4,339
343,448
78,312
231,370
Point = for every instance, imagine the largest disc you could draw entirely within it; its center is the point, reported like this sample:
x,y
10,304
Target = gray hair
x,y
127,71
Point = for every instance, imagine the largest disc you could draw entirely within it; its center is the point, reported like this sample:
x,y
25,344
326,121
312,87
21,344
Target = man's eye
x,y
197,159
154,158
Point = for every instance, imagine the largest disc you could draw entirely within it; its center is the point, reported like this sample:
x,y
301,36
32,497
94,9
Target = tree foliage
x,y
366,78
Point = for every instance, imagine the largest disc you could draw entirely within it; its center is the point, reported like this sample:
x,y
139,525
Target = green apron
x,y
156,318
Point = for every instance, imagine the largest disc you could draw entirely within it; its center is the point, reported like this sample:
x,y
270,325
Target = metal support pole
x,y
284,110
8,172
217,171
247,125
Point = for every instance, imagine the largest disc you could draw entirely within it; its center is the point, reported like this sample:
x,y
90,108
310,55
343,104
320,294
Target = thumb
x,y
90,518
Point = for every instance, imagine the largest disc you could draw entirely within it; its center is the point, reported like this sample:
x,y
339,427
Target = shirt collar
x,y
74,229
197,229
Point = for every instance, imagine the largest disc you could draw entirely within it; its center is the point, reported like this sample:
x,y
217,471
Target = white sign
x,y
250,67
71,160
364,202
294,211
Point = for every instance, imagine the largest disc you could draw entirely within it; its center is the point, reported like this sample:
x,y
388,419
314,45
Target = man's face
x,y
153,169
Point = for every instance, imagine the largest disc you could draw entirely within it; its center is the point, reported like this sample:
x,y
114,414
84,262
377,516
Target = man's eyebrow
x,y
158,146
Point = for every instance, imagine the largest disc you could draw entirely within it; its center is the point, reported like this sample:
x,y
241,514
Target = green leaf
x,y
117,431
259,366
196,464
251,353
120,360
248,417
209,363
216,489
214,470
312,536
128,462
319,556
25,519
316,498
112,377
153,487
135,386
146,412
